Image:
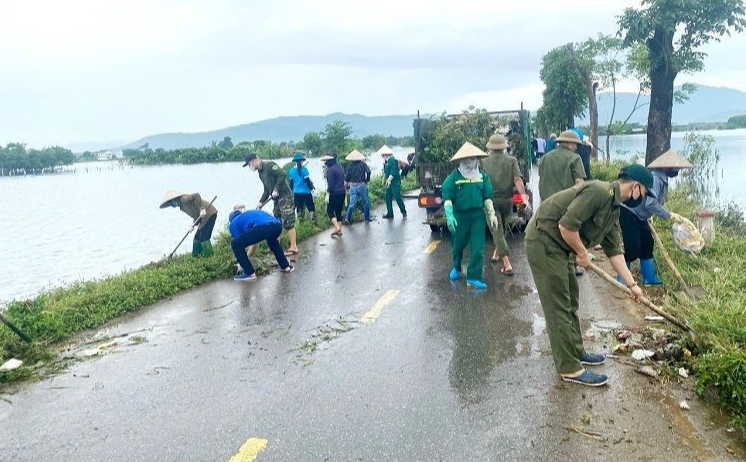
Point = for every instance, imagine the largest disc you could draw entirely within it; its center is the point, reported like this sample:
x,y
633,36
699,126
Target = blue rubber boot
x,y
454,274
649,276
475,283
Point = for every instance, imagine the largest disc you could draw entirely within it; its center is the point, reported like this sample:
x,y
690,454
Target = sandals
x,y
506,272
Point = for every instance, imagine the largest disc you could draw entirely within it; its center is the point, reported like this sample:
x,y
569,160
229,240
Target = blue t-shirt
x,y
300,185
248,220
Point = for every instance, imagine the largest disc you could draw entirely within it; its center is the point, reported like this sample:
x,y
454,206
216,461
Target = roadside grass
x,y
58,314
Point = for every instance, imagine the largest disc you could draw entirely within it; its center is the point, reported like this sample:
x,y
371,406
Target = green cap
x,y
640,174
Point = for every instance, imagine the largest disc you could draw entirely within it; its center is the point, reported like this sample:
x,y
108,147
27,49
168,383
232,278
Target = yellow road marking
x,y
249,450
431,248
375,312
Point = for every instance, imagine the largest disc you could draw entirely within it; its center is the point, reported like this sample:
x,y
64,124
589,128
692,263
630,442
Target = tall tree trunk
x,y
662,76
607,157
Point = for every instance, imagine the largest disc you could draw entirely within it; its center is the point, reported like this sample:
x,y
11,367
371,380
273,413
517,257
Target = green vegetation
x,y
57,315
737,121
15,159
336,137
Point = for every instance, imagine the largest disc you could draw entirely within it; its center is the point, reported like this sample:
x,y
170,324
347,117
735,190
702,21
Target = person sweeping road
x,y
392,183
565,225
504,173
203,216
633,219
276,187
250,228
467,198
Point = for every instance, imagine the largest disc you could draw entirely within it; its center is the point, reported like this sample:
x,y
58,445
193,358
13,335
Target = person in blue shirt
x,y
249,228
300,183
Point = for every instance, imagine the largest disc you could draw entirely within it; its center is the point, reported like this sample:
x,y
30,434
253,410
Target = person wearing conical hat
x,y
638,239
392,182
357,178
561,229
467,201
302,186
203,217
504,173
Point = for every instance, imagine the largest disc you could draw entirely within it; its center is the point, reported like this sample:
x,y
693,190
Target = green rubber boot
x,y
207,249
196,248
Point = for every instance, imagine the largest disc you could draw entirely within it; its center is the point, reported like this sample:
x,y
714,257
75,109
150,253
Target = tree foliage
x,y
15,158
564,97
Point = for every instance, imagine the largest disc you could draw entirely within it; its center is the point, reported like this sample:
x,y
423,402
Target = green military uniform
x,y
468,198
558,170
192,205
274,179
393,192
502,170
592,209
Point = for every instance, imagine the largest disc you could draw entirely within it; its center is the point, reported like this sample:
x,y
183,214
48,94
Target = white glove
x,y
275,194
676,217
493,223
326,198
191,228
202,213
489,211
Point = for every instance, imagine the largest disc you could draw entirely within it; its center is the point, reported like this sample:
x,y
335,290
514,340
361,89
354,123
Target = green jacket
x,y
192,204
591,208
466,195
502,170
273,178
391,168
558,170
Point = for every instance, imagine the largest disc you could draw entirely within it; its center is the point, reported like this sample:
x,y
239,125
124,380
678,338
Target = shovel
x,y
645,301
15,329
190,230
694,293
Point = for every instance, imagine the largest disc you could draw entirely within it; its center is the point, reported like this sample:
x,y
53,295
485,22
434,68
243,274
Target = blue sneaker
x,y
242,276
454,274
475,283
592,359
588,378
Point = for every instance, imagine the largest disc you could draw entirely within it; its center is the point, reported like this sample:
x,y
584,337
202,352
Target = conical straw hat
x,y
355,155
385,151
468,150
670,159
170,195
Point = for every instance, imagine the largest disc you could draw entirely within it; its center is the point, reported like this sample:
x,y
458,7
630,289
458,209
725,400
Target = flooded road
x,y
366,352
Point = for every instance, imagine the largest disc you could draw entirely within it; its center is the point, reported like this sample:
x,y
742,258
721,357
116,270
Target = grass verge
x,y
58,314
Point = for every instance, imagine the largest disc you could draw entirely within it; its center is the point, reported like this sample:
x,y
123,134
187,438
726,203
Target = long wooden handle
x,y
644,300
668,259
190,230
15,329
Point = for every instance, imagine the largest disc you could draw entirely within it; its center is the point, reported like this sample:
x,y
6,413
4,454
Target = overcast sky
x,y
101,70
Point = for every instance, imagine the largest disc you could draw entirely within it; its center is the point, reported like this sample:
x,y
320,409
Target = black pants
x,y
257,234
304,201
205,233
638,240
335,206
584,151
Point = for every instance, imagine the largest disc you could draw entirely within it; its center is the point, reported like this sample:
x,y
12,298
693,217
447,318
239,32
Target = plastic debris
x,y
684,405
686,236
624,335
639,355
683,373
655,318
716,269
10,365
649,371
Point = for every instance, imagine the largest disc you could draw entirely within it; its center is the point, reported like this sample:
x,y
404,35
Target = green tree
x,y
565,93
336,137
313,144
737,121
227,143
672,31
374,142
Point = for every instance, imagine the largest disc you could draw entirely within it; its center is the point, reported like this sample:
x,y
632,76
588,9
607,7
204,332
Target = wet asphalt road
x,y
443,373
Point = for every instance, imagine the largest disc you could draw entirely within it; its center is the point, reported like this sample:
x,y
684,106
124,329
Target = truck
x,y
431,172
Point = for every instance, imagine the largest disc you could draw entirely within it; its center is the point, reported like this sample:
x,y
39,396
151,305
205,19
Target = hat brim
x,y
497,145
327,157
169,196
561,139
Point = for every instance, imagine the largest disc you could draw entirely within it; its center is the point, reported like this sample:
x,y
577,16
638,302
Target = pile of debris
x,y
651,346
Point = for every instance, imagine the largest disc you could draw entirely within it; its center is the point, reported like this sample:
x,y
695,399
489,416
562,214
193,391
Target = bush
x,y
606,172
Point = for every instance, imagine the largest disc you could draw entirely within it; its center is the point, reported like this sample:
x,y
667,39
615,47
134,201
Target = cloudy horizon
x,y
97,71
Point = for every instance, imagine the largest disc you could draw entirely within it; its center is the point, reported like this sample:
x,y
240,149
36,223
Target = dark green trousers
x,y
394,193
469,231
554,275
502,210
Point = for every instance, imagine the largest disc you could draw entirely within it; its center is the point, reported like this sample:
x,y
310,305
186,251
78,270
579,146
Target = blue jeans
x,y
257,234
359,191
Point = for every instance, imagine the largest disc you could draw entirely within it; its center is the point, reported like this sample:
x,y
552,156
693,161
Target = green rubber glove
x,y
450,219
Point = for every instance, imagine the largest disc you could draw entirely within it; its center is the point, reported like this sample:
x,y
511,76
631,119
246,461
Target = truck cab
x,y
431,172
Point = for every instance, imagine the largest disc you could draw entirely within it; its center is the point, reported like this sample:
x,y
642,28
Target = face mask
x,y
252,167
469,164
632,202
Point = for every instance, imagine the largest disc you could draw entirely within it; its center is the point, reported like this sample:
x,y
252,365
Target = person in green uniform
x,y
565,224
561,168
392,182
203,216
504,173
276,186
467,199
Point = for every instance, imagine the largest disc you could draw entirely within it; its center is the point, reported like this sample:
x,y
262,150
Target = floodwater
x,y
77,226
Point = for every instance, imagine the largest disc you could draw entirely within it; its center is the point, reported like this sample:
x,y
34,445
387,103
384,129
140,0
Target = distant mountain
x,y
282,129
707,104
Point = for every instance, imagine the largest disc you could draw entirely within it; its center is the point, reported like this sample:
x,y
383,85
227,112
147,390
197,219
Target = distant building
x,y
109,154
